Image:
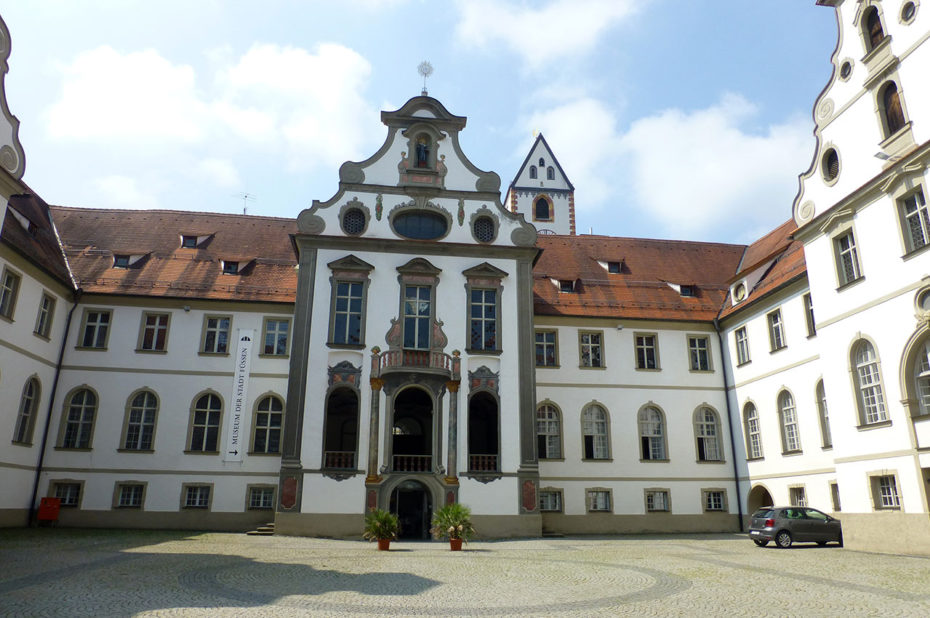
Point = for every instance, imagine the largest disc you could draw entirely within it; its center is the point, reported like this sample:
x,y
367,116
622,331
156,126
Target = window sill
x,y
743,364
849,284
811,335
715,510
345,346
73,448
144,351
212,353
261,508
261,454
658,511
710,461
603,460
136,450
551,459
692,370
587,367
828,447
23,444
90,348
549,511
196,508
748,459
276,355
6,318
649,369
548,366
776,350
878,425
915,252
201,452
600,512
476,352
127,507
654,460
41,336
792,453
886,508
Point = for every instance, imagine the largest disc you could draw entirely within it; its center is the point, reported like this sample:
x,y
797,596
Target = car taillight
x,y
769,523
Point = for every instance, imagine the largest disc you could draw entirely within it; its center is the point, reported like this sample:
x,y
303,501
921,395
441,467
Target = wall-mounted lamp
x,y
187,308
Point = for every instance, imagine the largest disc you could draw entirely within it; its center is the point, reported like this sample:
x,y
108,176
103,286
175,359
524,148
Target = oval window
x,y
420,225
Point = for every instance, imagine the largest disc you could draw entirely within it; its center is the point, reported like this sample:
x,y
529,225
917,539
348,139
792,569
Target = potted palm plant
x,y
453,521
382,526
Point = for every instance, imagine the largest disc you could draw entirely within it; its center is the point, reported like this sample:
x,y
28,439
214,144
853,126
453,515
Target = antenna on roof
x,y
425,69
245,197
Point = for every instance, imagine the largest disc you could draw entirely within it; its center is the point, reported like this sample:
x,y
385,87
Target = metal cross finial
x,y
425,69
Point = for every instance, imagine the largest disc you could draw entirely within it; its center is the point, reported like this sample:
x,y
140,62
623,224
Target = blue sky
x,y
686,119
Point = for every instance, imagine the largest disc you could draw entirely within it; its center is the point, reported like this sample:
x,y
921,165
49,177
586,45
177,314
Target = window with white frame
x,y
826,435
922,378
546,351
590,349
261,498
753,431
79,419
916,221
797,496
548,432
140,425
216,334
347,312
788,415
809,315
550,500
776,330
205,424
482,319
652,434
847,258
154,332
269,414
598,500
274,342
129,495
9,289
715,500
95,329
417,313
196,497
871,398
699,353
742,345
707,432
68,493
595,436
44,316
647,356
657,501
26,417
885,492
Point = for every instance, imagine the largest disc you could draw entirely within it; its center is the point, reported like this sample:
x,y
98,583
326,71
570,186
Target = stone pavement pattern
x,y
60,572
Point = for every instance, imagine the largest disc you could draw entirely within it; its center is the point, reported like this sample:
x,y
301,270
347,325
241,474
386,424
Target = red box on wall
x,y
48,509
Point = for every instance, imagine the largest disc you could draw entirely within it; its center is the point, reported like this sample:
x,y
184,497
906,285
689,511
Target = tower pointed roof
x,y
539,149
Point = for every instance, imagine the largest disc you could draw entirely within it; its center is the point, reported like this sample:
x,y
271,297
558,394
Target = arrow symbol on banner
x,y
236,452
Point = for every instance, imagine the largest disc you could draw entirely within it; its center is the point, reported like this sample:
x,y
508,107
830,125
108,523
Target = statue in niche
x,y
422,151
441,167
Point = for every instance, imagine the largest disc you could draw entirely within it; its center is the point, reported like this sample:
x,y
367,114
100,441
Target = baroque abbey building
x,y
422,337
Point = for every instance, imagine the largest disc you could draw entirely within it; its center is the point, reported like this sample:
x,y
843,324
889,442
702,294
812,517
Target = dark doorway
x,y
759,496
413,431
411,502
341,429
482,433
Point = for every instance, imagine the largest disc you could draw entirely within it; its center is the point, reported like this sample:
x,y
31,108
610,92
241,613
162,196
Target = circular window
x,y
420,225
908,11
830,166
923,301
846,70
353,221
483,228
740,292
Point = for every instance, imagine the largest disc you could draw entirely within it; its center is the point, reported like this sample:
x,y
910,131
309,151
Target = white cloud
x,y
220,172
117,191
541,36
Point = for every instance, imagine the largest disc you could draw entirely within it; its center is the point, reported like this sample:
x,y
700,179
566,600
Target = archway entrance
x,y
412,446
413,505
759,496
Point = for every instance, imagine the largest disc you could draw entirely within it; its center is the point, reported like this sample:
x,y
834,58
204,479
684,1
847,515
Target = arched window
x,y
753,432
652,434
788,415
341,432
80,412
892,110
594,429
542,162
26,419
874,33
533,171
548,432
541,210
922,378
825,435
707,433
205,424
140,422
550,173
266,432
483,442
871,398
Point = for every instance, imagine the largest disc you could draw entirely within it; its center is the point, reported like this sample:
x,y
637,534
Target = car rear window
x,y
763,513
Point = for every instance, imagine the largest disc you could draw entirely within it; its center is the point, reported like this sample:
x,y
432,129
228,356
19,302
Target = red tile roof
x,y
92,236
766,248
37,241
641,289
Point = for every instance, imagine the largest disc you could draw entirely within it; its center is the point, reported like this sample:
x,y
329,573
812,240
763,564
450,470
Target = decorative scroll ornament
x,y
461,213
483,379
345,373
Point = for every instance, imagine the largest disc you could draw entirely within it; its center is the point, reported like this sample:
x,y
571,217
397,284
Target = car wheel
x,y
760,542
783,539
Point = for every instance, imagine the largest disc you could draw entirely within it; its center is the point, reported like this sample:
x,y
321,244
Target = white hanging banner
x,y
237,418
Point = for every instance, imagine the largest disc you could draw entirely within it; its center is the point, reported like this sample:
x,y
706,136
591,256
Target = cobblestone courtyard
x,y
60,572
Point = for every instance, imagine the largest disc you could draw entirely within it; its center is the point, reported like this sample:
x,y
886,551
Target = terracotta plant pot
x,y
384,544
455,544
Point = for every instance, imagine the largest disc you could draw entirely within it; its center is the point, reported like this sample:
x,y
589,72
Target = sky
x,y
682,119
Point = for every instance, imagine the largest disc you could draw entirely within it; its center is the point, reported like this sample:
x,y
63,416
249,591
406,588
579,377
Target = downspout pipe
x,y
726,394
51,408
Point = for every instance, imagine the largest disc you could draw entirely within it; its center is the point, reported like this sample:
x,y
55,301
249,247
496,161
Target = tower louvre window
x,y
874,32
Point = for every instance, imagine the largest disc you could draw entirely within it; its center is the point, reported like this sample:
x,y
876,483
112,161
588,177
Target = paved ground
x,y
60,572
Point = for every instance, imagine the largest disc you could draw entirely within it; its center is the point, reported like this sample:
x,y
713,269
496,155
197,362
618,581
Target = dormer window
x,y
120,261
687,290
188,242
533,172
614,267
230,268
874,33
566,286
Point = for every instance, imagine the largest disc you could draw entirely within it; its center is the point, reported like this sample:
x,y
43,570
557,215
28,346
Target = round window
x,y
846,70
830,166
353,221
740,292
908,11
483,228
420,225
924,300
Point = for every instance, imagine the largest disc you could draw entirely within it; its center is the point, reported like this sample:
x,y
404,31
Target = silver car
x,y
789,524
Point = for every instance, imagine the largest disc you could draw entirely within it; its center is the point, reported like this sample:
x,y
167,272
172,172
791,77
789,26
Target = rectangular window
x,y
275,339
154,332
9,288
418,301
550,501
129,495
916,221
591,350
742,346
614,267
68,493
567,287
715,500
657,500
699,353
120,261
483,319
835,497
776,330
230,268
216,334
261,498
809,315
96,329
885,490
44,316
196,496
797,496
647,355
847,258
598,500
546,352
188,242
347,313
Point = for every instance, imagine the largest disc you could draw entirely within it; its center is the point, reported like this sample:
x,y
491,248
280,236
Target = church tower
x,y
543,192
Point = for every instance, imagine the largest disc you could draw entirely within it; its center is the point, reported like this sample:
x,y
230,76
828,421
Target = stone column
x,y
451,472
375,417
